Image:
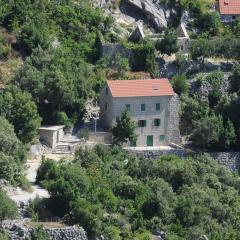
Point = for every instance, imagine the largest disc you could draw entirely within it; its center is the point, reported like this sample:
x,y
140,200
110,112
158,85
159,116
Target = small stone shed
x,y
51,135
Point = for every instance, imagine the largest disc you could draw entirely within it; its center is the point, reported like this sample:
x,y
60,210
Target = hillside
x,y
57,104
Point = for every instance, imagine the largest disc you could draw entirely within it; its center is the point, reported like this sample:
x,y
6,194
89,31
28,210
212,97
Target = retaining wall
x,y
228,159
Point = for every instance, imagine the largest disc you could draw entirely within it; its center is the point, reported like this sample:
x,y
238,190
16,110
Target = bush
x,y
8,208
12,153
40,234
62,118
3,236
180,84
173,194
168,45
84,133
20,110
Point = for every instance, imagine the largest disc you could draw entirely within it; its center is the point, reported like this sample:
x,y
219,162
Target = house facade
x,y
152,104
229,10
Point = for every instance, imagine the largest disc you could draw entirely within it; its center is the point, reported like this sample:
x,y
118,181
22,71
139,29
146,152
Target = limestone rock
x,y
154,13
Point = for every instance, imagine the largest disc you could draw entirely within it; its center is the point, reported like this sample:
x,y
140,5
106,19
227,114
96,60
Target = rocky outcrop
x,y
154,13
19,230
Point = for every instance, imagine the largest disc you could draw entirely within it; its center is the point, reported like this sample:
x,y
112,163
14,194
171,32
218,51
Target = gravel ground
x,y
20,195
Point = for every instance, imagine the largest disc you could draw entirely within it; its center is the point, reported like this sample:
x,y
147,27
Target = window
x,y
158,106
157,122
128,107
106,91
142,123
106,106
143,107
162,138
117,119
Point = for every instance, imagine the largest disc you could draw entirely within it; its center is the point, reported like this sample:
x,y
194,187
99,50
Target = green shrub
x,y
62,118
3,236
180,84
40,234
8,208
84,133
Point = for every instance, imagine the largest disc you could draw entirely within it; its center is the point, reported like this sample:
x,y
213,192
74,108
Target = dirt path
x,y
20,195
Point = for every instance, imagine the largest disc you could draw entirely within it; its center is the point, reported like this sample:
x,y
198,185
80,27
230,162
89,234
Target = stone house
x,y
152,104
51,135
229,10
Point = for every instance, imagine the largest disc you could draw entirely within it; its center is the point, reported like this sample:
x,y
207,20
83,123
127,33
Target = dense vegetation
x,y
61,41
12,153
123,197
211,120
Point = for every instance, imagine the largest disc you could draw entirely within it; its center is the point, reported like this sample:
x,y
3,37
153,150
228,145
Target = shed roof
x,y
140,88
231,7
51,128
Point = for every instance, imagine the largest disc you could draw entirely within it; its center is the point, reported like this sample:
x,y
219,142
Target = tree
x,y
122,66
34,34
192,109
180,61
144,57
208,131
12,153
124,130
201,48
229,135
235,78
210,22
180,84
168,45
17,106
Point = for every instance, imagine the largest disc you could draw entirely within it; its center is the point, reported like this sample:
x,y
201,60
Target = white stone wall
x,y
51,137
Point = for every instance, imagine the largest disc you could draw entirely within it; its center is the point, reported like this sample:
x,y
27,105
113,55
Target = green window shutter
x,y
128,107
158,107
157,122
162,138
143,106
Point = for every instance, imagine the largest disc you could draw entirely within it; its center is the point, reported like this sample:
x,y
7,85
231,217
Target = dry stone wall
x,y
19,230
229,159
173,134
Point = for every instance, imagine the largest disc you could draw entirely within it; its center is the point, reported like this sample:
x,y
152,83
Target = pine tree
x,y
124,130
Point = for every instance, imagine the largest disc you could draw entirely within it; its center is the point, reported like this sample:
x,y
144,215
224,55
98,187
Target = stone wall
x,y
101,137
110,50
228,159
19,230
173,134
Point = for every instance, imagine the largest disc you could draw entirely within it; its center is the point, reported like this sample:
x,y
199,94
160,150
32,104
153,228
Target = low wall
x,y
228,159
18,230
101,137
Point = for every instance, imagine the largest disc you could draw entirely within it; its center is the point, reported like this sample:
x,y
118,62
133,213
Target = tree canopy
x,y
120,196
